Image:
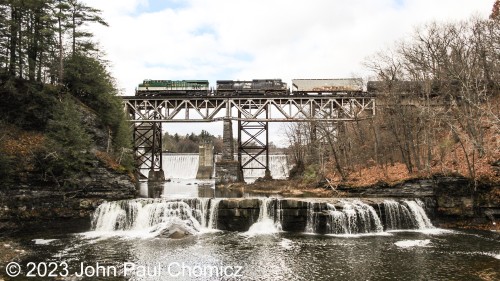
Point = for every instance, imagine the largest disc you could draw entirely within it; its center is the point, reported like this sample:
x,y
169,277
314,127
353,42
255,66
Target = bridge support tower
x,y
148,150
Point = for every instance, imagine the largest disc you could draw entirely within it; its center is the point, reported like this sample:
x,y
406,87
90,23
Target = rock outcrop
x,y
32,202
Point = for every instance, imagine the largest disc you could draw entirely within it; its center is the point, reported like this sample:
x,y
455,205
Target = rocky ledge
x,y
27,202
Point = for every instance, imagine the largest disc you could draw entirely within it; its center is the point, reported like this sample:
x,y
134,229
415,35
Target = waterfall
x,y
152,215
409,214
312,217
278,166
214,211
418,214
180,166
269,221
279,215
149,217
185,166
355,217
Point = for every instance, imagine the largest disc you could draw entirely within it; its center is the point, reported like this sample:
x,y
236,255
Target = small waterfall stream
x,y
213,214
409,214
269,219
355,217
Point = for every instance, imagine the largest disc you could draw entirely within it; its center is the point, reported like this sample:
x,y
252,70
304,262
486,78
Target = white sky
x,y
243,39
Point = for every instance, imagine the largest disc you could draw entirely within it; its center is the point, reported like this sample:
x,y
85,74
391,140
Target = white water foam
x,y
430,231
489,254
286,243
412,243
360,235
355,217
43,241
180,165
266,224
146,218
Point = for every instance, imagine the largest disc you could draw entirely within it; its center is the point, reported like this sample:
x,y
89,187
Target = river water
x,y
107,251
262,253
408,255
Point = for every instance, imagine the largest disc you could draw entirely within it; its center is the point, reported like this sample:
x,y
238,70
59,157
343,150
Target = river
x,y
134,253
393,255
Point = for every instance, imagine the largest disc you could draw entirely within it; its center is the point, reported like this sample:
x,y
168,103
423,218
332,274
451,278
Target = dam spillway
x,y
185,166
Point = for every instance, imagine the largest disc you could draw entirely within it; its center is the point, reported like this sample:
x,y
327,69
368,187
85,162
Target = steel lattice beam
x,y
147,139
279,109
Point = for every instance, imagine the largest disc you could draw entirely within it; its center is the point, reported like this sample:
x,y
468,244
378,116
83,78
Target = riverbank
x,y
459,202
282,188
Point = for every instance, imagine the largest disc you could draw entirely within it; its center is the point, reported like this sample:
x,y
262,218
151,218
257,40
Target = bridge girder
x,y
280,109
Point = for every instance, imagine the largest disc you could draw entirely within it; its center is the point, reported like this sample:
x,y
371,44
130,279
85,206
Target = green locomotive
x,y
173,87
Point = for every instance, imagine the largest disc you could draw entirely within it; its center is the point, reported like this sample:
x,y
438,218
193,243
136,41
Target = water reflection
x,y
289,256
190,188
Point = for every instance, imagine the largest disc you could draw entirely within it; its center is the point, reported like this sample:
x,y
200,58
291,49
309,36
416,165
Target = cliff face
x,y
35,192
30,202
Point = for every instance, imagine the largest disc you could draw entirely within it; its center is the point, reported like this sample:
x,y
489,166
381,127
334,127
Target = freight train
x,y
265,87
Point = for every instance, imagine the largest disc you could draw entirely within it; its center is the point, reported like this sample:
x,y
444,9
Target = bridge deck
x,y
250,108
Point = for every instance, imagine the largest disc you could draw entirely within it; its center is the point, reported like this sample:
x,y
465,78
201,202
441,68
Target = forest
x,y
59,103
438,111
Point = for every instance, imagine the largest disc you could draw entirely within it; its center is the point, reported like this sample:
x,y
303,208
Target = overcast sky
x,y
243,39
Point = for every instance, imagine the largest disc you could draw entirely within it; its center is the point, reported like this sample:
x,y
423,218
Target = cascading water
x,y
278,166
214,211
397,216
312,217
417,208
151,216
409,214
355,217
269,221
180,166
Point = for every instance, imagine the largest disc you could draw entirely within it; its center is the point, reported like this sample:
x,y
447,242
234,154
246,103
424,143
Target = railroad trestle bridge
x,y
252,114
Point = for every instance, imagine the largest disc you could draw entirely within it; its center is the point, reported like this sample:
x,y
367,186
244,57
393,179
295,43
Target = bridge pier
x,y
206,162
227,170
156,176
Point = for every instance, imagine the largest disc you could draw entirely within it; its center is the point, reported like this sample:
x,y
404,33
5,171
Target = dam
x,y
186,165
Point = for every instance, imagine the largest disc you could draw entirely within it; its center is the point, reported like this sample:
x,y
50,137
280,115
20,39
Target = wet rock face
x,y
458,197
237,214
31,202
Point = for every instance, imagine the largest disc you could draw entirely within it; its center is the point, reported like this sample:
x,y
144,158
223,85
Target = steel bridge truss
x,y
147,139
279,109
253,141
252,114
